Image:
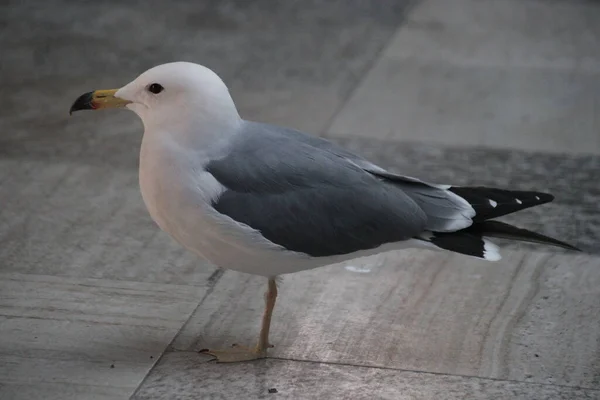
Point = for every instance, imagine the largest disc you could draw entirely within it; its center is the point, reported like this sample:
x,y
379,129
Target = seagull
x,y
268,200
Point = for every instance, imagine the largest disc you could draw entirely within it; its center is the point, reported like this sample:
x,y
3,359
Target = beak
x,y
98,99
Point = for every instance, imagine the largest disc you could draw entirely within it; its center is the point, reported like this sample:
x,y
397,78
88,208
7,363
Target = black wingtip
x,y
492,202
568,246
506,231
544,197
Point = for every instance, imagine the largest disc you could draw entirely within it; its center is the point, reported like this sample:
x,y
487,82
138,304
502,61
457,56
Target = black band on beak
x,y
83,102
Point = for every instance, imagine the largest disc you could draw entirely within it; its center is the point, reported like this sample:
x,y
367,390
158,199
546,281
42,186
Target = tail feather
x,y
464,243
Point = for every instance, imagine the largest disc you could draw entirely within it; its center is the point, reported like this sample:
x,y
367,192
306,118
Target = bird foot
x,y
236,353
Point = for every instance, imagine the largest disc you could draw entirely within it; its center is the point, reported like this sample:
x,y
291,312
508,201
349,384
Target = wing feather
x,y
308,198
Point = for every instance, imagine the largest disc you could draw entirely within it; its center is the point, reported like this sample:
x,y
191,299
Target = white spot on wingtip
x,y
491,252
518,201
537,197
492,203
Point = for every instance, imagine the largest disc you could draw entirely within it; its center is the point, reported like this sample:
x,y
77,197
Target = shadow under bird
x,y
268,200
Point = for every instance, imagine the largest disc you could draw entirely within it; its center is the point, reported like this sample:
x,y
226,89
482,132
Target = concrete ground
x,y
97,303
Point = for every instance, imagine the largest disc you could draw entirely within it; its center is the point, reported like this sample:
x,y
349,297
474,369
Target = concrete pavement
x,y
96,303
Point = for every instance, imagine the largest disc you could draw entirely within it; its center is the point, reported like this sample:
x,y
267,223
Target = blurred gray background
x,y
485,92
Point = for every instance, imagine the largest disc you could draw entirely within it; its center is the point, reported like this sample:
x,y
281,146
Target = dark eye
x,y
155,88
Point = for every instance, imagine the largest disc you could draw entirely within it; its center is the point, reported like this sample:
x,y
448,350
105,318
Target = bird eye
x,y
155,88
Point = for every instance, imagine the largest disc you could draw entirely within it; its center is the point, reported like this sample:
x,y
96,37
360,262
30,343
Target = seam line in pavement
x,y
212,281
369,67
416,371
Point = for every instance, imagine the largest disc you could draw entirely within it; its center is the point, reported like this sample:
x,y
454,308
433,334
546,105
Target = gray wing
x,y
446,211
303,195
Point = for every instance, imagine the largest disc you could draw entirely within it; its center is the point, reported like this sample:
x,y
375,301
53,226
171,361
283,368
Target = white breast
x,y
178,192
